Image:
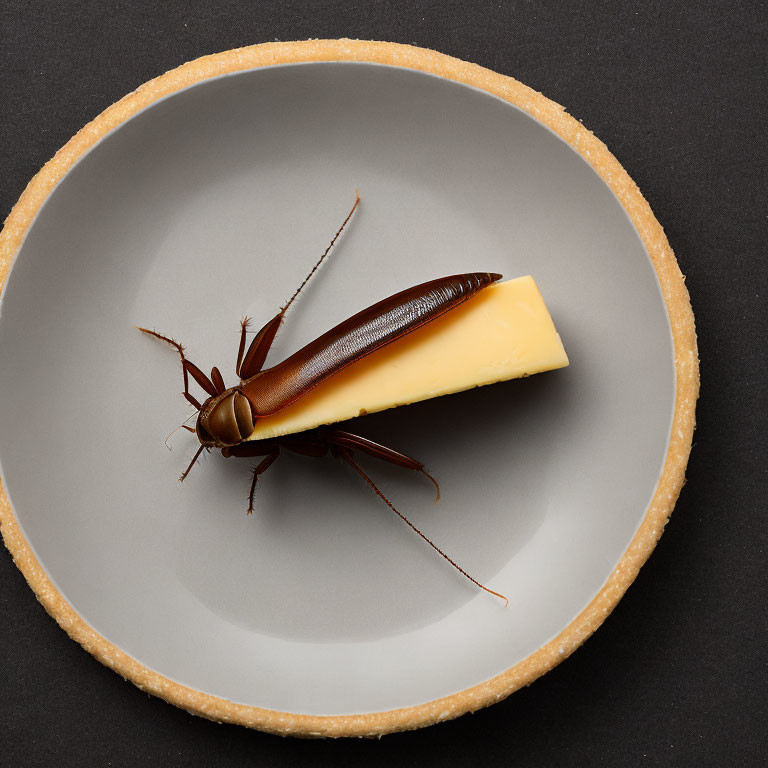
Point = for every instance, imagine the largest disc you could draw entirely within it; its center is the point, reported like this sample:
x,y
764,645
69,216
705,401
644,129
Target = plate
x,y
206,195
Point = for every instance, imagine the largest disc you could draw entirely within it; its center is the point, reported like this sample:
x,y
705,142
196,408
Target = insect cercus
x,y
226,418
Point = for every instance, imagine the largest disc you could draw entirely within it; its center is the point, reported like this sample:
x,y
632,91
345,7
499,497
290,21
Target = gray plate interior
x,y
214,203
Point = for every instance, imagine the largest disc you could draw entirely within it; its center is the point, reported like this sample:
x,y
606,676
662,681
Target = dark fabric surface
x,y
678,675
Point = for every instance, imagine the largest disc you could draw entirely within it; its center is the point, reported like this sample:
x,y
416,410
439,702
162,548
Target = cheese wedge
x,y
503,332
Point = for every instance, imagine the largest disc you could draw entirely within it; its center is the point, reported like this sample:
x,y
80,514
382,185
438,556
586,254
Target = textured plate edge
x,y
672,284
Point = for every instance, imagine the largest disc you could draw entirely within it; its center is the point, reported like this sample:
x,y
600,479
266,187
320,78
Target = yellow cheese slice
x,y
503,332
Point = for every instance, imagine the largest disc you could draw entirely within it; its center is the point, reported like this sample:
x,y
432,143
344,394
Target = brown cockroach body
x,y
227,417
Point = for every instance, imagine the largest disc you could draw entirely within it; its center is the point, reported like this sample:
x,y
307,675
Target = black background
x,y
678,675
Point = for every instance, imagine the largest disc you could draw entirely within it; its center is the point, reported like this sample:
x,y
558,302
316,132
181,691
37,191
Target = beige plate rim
x,y
670,482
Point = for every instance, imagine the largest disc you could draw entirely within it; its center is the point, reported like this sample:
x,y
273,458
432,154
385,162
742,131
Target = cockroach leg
x,y
191,464
346,454
244,323
193,401
186,367
436,484
305,447
259,469
260,346
269,449
358,443
217,380
200,378
249,449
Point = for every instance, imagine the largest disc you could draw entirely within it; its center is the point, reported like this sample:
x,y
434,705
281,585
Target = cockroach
x,y
226,419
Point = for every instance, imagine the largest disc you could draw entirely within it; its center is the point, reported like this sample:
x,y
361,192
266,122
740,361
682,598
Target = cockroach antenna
x,y
256,355
314,269
345,454
181,426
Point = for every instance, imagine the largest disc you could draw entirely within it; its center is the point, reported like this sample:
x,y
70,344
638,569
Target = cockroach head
x,y
225,419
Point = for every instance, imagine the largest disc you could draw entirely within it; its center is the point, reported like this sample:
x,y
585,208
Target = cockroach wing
x,y
363,333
